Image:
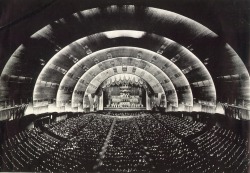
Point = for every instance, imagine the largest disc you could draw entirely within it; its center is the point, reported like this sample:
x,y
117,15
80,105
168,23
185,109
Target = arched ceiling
x,y
190,65
195,52
73,75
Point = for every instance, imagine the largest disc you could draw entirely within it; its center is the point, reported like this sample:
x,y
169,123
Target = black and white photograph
x,y
110,86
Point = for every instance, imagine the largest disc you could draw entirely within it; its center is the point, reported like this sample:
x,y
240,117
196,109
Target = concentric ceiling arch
x,y
162,27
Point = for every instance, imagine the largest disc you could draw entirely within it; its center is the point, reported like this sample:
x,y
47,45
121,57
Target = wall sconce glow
x,y
124,33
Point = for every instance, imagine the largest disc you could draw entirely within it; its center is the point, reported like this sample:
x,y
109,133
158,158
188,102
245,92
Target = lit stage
x,y
124,109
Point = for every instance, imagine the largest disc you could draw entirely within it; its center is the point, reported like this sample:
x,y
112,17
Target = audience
x,y
126,142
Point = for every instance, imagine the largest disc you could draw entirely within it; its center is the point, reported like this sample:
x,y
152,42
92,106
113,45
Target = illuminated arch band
x,y
112,63
165,43
126,51
194,39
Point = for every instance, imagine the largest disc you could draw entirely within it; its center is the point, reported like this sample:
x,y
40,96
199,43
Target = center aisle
x,y
141,142
104,148
125,151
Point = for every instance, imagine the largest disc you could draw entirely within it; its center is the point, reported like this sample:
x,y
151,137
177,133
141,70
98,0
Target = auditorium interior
x,y
125,86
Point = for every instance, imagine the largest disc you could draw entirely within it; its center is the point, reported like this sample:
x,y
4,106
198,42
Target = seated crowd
x,y
66,127
25,149
80,152
142,142
182,126
226,147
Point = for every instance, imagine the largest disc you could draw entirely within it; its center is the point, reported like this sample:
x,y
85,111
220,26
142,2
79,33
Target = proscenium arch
x,y
141,73
83,82
195,35
151,99
122,78
101,77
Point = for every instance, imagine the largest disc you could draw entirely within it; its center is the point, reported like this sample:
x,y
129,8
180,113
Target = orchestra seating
x,y
184,127
142,142
68,126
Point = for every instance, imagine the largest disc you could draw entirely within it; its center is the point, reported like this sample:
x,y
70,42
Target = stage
x,y
124,109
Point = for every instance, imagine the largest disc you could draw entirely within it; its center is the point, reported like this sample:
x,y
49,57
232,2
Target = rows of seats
x,y
17,139
183,127
65,128
226,147
14,157
124,151
222,145
169,153
142,143
81,151
230,135
25,149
